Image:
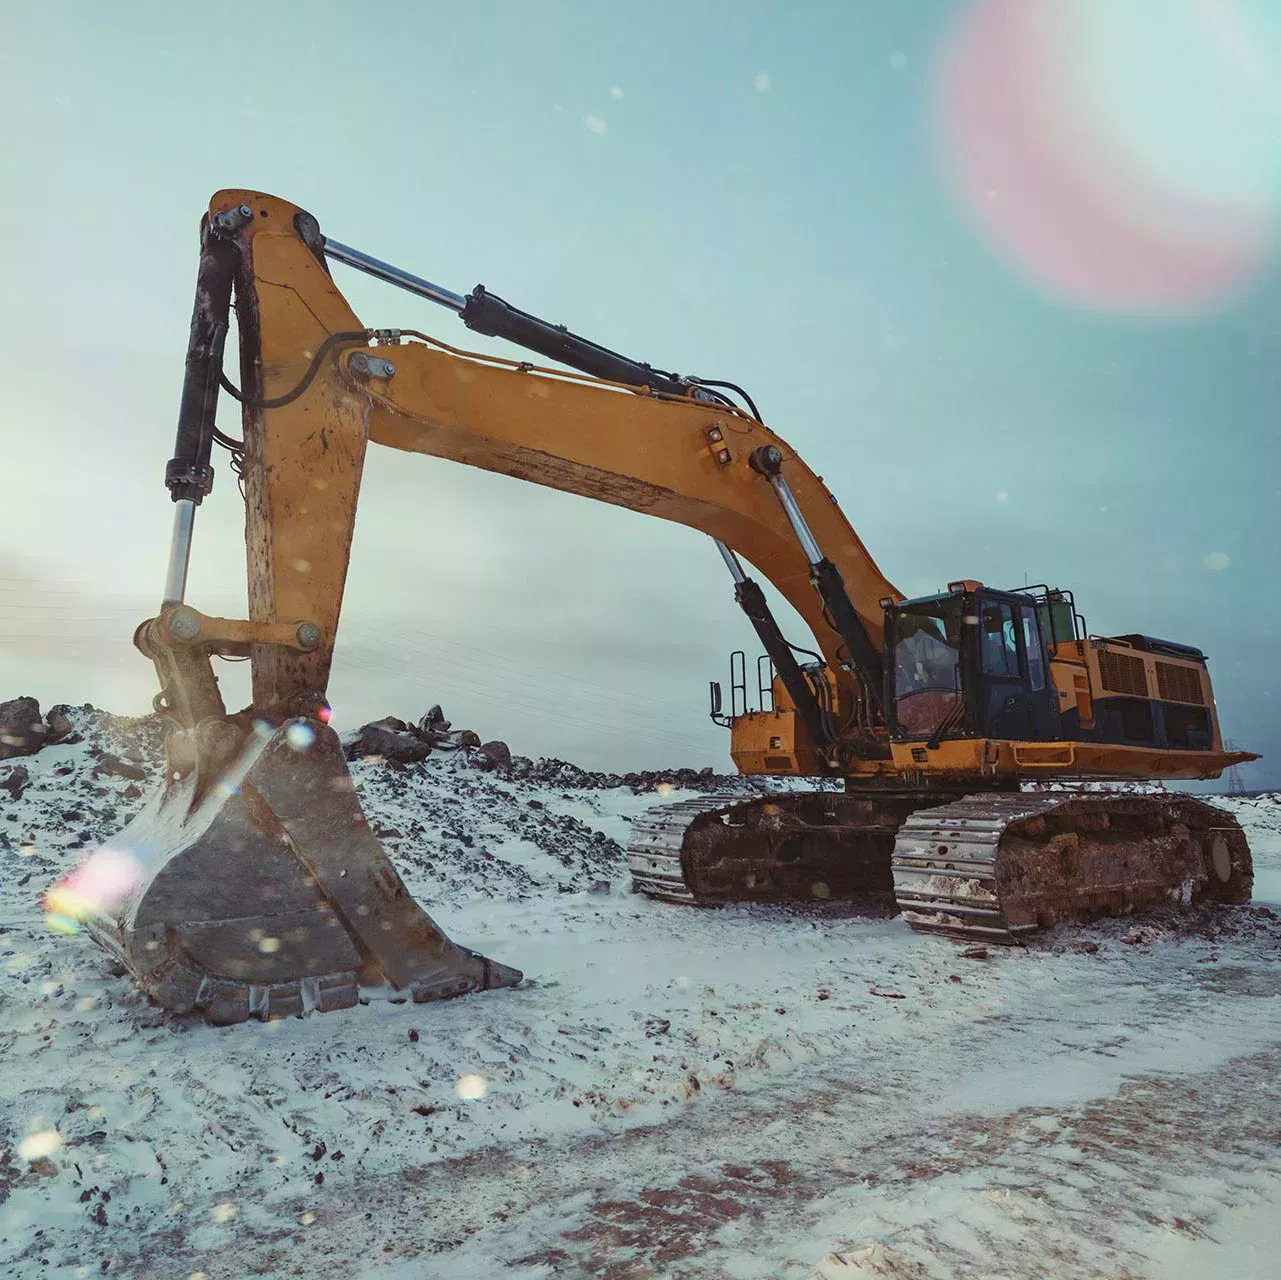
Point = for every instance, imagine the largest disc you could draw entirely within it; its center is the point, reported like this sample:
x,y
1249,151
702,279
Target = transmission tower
x,y
1236,787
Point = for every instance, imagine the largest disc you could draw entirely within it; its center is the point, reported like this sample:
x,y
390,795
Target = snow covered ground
x,y
722,1094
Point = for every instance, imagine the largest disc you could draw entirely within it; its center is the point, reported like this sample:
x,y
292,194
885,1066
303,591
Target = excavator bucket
x,y
265,894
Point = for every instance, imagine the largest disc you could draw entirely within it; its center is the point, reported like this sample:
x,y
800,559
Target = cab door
x,y
1043,705
1005,701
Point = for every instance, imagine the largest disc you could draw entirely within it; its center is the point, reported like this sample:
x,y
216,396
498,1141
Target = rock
x,y
115,767
494,755
15,781
392,723
22,731
974,953
61,727
467,738
433,721
399,748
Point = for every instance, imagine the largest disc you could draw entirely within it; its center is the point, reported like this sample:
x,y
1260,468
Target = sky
x,y
1002,272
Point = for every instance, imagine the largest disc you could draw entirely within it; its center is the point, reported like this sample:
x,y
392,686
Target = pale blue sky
x,y
793,233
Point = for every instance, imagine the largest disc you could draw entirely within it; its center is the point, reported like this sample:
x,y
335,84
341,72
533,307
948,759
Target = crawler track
x,y
996,867
992,867
657,840
798,846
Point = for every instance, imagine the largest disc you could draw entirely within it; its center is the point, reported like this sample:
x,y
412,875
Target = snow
x,y
1262,815
743,1092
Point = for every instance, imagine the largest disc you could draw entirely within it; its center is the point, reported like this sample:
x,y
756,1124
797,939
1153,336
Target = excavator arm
x,y
251,884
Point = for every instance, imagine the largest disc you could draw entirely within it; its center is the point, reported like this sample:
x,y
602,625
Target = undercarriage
x,y
989,866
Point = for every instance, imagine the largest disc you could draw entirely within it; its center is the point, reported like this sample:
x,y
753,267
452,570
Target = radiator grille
x,y
1179,684
1122,673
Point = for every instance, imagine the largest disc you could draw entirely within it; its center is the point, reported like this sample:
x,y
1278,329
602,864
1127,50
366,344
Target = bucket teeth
x,y
268,896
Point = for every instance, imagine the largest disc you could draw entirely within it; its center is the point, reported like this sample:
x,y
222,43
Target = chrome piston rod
x,y
184,517
381,270
861,649
731,562
800,526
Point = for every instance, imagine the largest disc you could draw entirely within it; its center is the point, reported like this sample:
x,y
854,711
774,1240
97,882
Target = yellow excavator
x,y
251,885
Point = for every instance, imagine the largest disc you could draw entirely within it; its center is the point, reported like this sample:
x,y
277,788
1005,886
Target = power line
x,y
467,659
471,668
551,710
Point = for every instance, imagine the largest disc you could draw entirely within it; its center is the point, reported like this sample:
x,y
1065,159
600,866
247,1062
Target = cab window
x,y
927,665
1000,648
1032,647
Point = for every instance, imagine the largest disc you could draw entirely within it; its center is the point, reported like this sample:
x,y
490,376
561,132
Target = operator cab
x,y
973,662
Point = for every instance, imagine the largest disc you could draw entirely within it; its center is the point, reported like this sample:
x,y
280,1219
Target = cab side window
x,y
1032,647
1000,649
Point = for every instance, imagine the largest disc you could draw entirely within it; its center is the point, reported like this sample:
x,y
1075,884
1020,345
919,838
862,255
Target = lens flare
x,y
35,1146
1123,157
96,887
471,1087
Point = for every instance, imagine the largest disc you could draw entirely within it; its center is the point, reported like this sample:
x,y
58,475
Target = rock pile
x,y
400,742
560,773
23,731
80,789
